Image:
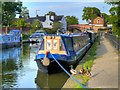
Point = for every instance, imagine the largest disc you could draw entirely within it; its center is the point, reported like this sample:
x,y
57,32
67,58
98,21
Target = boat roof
x,y
16,30
66,35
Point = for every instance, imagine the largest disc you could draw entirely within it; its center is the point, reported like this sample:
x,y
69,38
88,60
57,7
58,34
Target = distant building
x,y
47,21
98,23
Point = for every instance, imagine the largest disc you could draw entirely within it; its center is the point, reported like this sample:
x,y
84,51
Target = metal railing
x,y
114,40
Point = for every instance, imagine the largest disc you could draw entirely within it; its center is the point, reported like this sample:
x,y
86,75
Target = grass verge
x,y
87,61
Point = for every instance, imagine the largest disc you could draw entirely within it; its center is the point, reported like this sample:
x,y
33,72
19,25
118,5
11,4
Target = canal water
x,y
19,70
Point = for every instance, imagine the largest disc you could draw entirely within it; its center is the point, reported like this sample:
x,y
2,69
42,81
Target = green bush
x,y
25,36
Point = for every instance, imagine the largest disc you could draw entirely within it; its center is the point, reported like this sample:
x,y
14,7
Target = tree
x,y
0,14
90,13
56,26
9,10
71,20
0,8
36,24
106,18
51,13
24,12
19,23
115,17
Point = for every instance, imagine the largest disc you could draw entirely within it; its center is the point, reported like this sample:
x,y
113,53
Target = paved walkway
x,y
104,73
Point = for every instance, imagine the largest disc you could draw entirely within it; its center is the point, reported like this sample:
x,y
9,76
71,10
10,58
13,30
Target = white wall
x,y
63,21
47,22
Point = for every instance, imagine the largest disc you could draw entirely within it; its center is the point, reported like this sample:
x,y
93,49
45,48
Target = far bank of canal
x,y
19,70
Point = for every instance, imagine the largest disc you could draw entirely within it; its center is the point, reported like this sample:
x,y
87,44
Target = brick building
x,y
98,23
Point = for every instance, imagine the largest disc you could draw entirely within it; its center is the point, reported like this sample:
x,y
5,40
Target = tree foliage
x,y
90,13
71,20
56,26
115,17
36,24
19,22
24,12
51,13
106,18
9,10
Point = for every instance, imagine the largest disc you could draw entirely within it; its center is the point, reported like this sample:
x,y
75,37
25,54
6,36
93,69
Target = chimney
x,y
37,15
52,17
47,17
28,17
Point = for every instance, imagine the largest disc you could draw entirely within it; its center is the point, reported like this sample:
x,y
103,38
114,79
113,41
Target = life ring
x,y
46,61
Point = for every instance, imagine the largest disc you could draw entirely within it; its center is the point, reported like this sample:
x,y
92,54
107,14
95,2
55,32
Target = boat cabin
x,y
53,44
63,44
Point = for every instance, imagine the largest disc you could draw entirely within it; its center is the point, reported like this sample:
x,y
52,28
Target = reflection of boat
x,y
11,53
44,80
36,37
10,59
10,40
34,44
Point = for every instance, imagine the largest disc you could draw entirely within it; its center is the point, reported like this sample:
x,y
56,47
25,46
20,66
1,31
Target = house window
x,y
98,21
50,23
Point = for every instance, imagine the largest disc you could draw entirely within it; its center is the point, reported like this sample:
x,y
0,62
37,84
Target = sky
x,y
64,8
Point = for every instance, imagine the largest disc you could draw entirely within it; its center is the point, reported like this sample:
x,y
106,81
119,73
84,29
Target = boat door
x,y
54,45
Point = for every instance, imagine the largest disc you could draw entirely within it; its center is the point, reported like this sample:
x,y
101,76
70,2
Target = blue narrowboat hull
x,y
13,39
61,59
10,45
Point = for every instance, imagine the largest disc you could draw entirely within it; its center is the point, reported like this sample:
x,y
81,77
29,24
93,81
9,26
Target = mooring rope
x,y
68,73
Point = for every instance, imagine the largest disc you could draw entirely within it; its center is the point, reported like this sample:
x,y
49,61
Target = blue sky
x,y
64,8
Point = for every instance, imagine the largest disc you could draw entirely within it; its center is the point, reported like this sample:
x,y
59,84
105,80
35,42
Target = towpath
x,y
104,73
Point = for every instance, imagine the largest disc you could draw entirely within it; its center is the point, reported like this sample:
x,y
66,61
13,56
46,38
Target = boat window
x,y
49,46
1,39
42,45
68,42
8,38
15,38
79,42
55,44
61,46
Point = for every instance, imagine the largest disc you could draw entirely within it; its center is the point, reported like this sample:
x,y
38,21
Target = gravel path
x,y
104,73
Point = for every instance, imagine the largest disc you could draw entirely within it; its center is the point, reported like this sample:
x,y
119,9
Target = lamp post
x,y
36,12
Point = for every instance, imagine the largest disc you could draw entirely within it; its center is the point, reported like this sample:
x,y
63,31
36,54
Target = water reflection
x,y
45,80
19,70
10,59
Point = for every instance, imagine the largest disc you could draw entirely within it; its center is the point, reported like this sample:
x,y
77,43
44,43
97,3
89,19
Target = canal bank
x,y
86,62
104,72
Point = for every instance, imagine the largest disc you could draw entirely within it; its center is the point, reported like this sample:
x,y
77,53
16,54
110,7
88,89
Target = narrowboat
x,y
36,38
13,38
67,49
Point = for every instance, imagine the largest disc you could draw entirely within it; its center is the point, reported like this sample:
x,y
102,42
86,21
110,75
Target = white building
x,y
47,21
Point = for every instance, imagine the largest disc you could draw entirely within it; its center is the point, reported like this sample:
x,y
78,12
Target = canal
x,y
19,70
